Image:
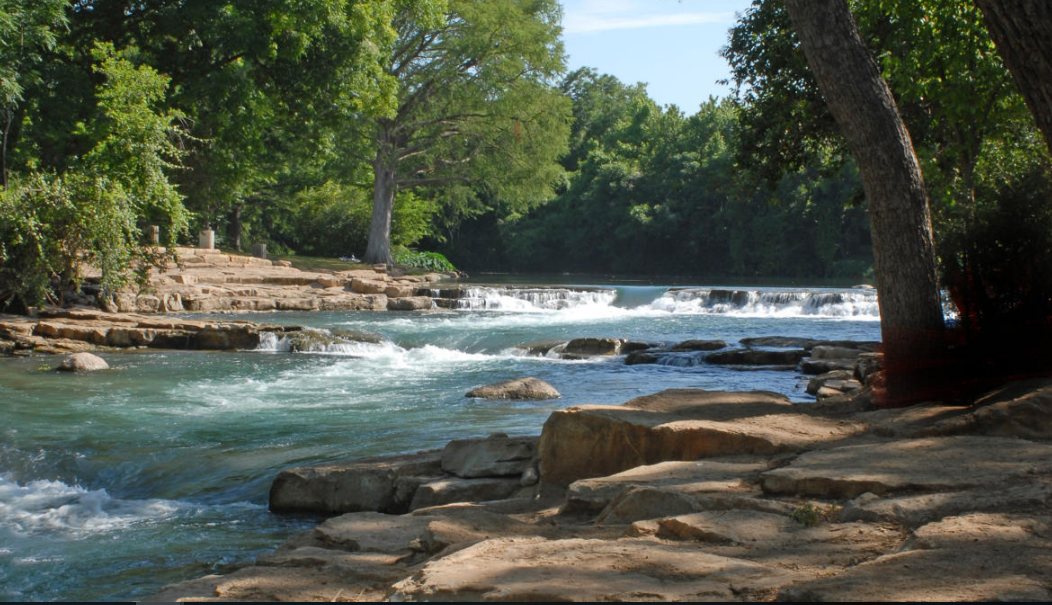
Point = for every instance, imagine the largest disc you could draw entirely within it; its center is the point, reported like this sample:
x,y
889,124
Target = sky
x,y
671,45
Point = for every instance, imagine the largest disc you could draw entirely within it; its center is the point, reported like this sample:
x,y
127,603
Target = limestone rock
x,y
524,569
688,477
540,347
83,362
824,366
455,489
756,357
1019,409
783,342
728,526
644,502
489,457
520,388
835,352
933,464
679,424
819,381
642,357
409,303
371,531
698,345
384,484
590,347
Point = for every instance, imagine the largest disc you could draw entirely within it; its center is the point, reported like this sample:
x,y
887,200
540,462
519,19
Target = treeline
x,y
379,127
649,190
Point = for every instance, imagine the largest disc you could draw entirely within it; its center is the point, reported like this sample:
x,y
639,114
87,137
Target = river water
x,y
113,484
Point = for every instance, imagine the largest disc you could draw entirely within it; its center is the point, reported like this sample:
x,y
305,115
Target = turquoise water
x,y
113,484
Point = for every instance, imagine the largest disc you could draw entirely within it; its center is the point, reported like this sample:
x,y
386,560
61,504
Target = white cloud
x,y
583,22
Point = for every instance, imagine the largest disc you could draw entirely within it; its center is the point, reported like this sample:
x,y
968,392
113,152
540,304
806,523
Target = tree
x,y
862,104
265,84
28,28
473,106
1022,30
50,223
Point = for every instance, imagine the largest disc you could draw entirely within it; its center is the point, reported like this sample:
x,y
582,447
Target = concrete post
x,y
207,239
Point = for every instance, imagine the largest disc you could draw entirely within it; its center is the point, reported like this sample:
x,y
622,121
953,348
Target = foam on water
x,y
532,300
850,304
44,506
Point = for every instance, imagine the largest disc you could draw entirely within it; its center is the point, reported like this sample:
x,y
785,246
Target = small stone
x,y
522,388
83,362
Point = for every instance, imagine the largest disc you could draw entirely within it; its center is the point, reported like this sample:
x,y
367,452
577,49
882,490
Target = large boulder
x,y
495,456
678,424
83,362
520,388
384,484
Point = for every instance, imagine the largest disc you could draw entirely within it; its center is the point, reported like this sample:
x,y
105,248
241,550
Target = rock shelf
x,y
637,502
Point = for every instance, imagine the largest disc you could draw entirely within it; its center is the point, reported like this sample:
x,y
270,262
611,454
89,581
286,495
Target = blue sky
x,y
668,44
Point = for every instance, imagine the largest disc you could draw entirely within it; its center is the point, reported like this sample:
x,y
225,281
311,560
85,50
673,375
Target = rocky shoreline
x,y
685,495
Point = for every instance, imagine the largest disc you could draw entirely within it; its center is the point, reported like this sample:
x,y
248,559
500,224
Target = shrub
x,y
431,261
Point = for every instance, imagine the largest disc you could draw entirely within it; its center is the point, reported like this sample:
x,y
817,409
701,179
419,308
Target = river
x,y
113,484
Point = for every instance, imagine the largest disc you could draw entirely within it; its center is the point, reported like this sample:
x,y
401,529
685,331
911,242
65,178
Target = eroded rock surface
x,y
680,424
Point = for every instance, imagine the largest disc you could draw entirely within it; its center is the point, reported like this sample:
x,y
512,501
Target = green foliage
x,y
654,191
51,223
477,123
333,220
431,261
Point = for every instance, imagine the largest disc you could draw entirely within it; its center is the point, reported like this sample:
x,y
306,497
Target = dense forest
x,y
379,128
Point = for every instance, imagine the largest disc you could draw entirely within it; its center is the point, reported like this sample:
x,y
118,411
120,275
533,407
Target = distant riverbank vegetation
x,y
319,126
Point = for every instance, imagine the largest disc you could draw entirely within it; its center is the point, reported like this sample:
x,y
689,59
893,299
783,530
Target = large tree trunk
x,y
1022,31
384,171
904,257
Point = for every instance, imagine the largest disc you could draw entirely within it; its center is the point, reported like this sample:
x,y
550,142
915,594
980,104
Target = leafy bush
x,y
51,223
431,261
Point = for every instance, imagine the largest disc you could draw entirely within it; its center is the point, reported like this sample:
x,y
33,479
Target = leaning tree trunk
x,y
1022,31
904,257
385,165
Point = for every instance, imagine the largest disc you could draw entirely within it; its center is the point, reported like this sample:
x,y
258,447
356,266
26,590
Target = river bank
x,y
689,494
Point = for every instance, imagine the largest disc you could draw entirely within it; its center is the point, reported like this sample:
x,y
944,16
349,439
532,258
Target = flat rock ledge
x,y
927,503
207,281
77,330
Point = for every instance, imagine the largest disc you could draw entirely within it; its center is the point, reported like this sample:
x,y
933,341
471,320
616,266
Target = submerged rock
x,y
83,362
520,388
